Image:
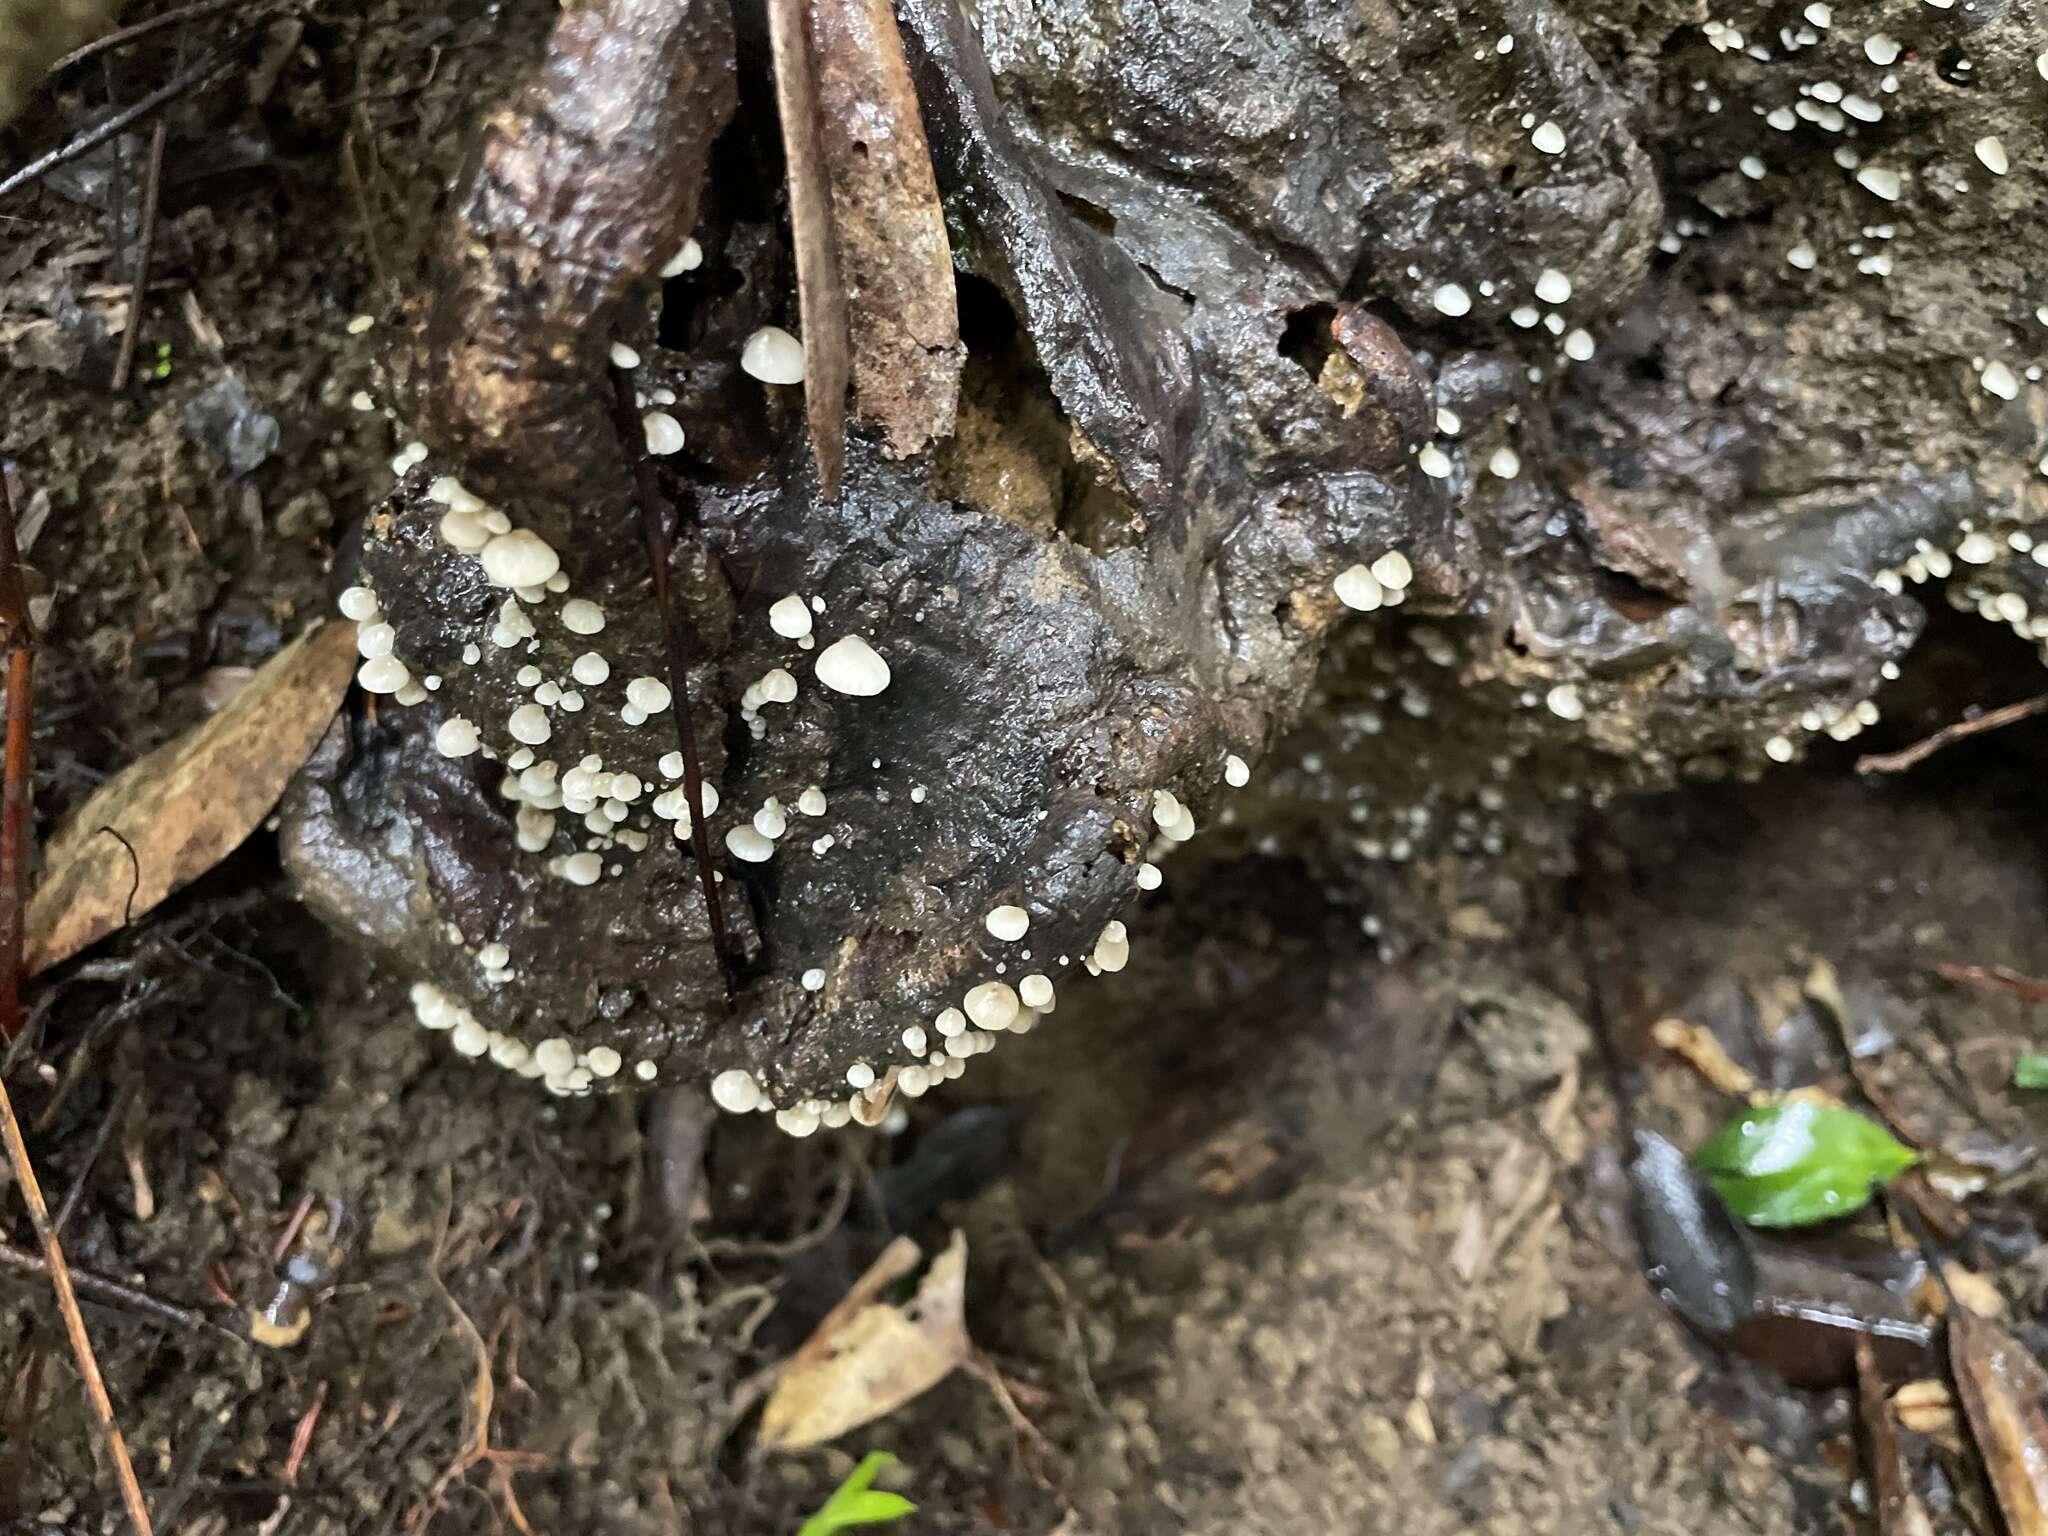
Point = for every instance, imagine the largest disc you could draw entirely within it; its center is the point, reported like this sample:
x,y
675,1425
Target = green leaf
x,y
854,1503
2030,1072
1794,1164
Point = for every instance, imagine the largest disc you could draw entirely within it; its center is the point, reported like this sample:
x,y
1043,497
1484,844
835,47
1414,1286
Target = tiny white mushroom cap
x,y
860,1075
1008,923
1452,299
773,356
1505,463
798,1120
790,617
745,843
456,738
1035,992
736,1091
851,666
375,640
2000,380
521,558
1112,949
1553,287
529,723
648,693
358,603
590,669
812,801
992,1005
1565,703
623,356
664,433
1236,771
688,258
1991,150
580,616
1393,571
604,1061
1549,138
383,674
582,868
1358,589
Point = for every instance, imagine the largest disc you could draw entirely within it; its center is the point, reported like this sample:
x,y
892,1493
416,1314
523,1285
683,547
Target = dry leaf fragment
x,y
820,286
890,230
868,1358
187,805
2002,1386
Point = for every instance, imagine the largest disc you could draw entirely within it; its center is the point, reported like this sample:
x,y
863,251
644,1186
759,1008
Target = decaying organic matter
x,y
1304,310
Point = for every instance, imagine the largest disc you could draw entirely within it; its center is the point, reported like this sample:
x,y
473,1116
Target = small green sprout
x,y
854,1503
2030,1072
1800,1162
162,370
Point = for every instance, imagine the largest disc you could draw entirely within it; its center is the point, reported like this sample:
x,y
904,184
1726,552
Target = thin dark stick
x,y
113,1117
1990,720
152,191
656,534
202,73
142,28
117,1293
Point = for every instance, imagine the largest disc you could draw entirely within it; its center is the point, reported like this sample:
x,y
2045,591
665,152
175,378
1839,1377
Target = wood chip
x,y
190,803
2002,1386
1925,1407
820,285
894,258
868,1358
1697,1046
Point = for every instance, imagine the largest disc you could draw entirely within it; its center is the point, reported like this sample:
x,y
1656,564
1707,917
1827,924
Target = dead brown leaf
x,y
867,1358
187,805
893,253
820,285
2002,1386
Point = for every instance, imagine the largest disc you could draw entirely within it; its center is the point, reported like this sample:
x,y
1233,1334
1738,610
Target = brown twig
x,y
145,248
74,1321
1994,978
655,531
205,72
1948,735
14,797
